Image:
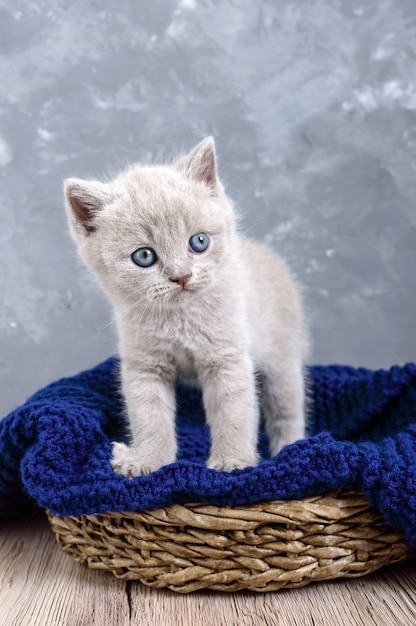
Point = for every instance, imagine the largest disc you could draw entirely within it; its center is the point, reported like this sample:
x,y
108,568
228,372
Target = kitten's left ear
x,y
84,200
201,164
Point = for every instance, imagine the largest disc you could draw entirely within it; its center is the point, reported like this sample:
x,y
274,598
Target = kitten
x,y
191,297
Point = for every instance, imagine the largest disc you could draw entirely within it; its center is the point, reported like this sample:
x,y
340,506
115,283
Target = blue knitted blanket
x,y
55,449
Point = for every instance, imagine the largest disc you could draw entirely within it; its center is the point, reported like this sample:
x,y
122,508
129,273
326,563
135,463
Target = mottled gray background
x,y
313,106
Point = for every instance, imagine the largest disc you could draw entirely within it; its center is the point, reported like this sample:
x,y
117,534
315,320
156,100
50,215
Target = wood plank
x,y
41,586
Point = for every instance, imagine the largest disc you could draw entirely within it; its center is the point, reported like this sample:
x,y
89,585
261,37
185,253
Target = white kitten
x,y
192,297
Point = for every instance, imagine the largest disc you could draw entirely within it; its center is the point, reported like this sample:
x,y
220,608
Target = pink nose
x,y
181,280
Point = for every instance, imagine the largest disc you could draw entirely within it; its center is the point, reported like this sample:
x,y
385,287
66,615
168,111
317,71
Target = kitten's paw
x,y
130,462
229,464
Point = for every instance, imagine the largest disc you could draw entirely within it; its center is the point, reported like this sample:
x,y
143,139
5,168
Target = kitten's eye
x,y
144,257
199,242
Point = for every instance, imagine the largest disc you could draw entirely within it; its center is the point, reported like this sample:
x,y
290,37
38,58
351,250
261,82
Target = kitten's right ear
x,y
84,199
201,164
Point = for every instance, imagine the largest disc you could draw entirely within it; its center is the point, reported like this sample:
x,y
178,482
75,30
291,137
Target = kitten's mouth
x,y
183,288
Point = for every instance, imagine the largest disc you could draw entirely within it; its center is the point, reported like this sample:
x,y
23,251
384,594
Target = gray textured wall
x,y
313,105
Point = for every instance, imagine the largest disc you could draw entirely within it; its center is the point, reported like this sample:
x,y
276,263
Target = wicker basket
x,y
261,547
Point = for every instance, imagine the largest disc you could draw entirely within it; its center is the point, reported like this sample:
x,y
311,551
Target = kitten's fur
x,y
240,311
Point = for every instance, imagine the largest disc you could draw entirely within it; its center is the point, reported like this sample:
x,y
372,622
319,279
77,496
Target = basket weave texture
x,y
259,547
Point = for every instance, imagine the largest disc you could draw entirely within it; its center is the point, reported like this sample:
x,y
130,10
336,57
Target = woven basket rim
x,y
263,546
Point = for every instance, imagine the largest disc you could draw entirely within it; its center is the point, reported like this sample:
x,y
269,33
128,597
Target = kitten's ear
x,y
84,199
201,164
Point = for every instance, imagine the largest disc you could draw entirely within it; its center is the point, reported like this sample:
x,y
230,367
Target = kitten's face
x,y
156,235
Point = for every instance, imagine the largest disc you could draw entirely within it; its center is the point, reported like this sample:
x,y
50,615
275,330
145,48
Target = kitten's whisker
x,y
136,296
139,323
102,328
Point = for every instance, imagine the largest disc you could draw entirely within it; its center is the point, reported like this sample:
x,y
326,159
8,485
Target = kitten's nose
x,y
181,280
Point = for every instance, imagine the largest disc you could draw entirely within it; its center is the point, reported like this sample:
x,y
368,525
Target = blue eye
x,y
199,242
144,257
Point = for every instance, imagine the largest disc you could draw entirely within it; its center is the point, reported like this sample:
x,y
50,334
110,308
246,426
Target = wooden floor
x,y
41,586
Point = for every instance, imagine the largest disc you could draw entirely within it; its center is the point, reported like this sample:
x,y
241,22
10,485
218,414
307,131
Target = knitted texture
x,y
55,449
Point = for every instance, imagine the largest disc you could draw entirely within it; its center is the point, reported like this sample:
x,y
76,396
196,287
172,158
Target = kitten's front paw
x,y
130,462
228,464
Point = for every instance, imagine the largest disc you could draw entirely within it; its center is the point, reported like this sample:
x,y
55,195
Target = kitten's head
x,y
156,234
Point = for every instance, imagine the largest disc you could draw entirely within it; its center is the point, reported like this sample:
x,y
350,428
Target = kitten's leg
x,y
284,402
232,413
150,404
